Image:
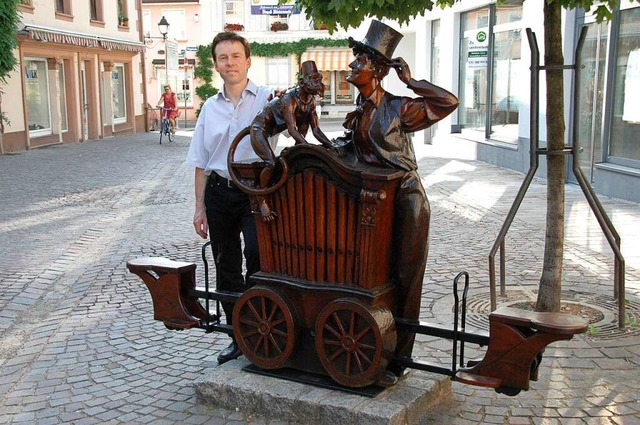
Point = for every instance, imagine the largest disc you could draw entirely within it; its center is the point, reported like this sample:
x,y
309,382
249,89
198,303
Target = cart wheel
x,y
354,343
264,327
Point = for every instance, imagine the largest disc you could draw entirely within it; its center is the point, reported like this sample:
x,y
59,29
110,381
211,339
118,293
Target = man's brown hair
x,y
229,36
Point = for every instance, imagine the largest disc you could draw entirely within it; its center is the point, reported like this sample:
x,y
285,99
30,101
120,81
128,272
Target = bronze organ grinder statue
x,y
343,231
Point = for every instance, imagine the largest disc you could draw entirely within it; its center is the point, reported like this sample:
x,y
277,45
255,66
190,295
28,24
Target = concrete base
x,y
408,402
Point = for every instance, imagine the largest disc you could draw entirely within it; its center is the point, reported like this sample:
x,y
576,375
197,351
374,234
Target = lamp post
x,y
163,27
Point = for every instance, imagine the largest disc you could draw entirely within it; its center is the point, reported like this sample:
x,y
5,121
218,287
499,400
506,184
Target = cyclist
x,y
170,101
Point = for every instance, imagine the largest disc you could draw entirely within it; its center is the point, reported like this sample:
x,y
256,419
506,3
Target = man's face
x,y
231,62
313,83
362,71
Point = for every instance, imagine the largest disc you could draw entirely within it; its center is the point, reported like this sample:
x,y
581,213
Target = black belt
x,y
221,181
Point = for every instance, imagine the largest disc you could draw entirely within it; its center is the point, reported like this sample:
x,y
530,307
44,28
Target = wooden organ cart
x,y
324,299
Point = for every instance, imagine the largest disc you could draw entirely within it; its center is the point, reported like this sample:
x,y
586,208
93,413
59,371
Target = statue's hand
x,y
266,212
402,68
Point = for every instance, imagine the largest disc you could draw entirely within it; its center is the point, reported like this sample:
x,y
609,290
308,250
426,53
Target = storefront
x,y
608,106
71,87
490,62
339,95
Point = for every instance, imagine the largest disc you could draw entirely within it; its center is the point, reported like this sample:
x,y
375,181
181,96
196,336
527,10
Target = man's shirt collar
x,y
251,88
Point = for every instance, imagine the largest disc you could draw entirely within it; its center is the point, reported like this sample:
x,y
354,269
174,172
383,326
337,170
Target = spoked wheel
x,y
354,343
264,327
162,130
170,133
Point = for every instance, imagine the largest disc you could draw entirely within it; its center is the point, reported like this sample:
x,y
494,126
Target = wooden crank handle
x,y
232,167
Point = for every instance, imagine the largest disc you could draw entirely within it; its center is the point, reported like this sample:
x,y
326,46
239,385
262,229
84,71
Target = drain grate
x,y
600,310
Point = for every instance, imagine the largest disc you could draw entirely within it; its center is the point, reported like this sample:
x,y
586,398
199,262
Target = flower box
x,y
233,27
279,26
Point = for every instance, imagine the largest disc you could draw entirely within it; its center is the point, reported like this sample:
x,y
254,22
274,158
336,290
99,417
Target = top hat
x,y
308,68
380,39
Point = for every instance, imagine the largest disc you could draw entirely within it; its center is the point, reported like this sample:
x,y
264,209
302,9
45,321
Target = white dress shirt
x,y
218,124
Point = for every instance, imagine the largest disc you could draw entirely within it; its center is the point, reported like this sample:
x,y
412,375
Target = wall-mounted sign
x,y
478,50
271,7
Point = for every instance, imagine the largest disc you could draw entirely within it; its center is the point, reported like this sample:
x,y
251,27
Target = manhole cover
x,y
601,311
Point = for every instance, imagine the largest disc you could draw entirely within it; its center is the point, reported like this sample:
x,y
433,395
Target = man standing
x,y
379,135
222,210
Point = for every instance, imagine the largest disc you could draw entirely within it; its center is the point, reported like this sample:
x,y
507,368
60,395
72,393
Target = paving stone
x,y
82,325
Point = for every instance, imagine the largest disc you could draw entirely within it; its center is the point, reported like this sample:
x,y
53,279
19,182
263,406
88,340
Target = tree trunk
x,y
551,279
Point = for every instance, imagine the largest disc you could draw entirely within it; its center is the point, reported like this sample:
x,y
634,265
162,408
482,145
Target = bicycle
x,y
165,126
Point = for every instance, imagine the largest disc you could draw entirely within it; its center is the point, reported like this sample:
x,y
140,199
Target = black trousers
x,y
229,216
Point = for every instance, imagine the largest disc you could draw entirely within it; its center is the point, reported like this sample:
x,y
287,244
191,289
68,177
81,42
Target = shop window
x,y
37,91
326,80
490,93
344,89
589,106
474,45
118,92
624,141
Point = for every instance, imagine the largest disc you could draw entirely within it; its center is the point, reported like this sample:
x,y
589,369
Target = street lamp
x,y
163,27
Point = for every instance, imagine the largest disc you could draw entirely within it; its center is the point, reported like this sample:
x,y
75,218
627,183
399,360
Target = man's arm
x,y
200,216
434,102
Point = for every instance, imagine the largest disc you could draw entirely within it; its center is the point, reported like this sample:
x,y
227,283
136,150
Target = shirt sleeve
x,y
198,156
434,104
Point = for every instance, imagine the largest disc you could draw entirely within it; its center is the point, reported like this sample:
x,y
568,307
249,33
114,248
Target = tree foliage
x,y
351,13
9,20
204,72
297,48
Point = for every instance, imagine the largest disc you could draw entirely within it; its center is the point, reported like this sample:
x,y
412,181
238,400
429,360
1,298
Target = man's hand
x,y
402,68
200,223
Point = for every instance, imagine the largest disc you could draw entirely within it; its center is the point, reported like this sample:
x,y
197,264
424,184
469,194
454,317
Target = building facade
x,y
195,23
481,50
79,73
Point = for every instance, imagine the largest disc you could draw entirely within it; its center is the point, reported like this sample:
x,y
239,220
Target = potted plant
x,y
233,27
279,26
125,21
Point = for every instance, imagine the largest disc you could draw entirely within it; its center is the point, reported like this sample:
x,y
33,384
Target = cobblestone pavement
x,y
78,344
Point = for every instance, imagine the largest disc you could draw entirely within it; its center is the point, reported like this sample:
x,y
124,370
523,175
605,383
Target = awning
x,y
329,59
53,35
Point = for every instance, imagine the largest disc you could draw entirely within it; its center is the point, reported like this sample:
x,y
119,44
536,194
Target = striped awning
x,y
80,39
329,59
